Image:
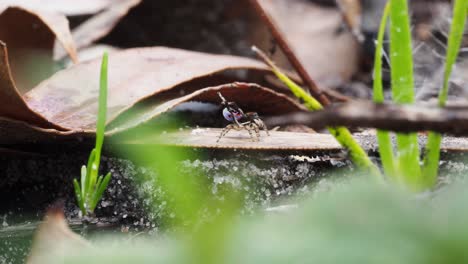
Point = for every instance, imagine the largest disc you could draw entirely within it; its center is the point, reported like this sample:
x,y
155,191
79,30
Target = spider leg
x,y
251,133
257,131
261,125
224,132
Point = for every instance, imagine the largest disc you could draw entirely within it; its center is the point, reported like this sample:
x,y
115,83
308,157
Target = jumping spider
x,y
249,121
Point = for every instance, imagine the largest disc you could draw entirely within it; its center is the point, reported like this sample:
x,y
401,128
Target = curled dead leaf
x,y
98,26
66,7
65,105
30,36
14,132
69,98
12,104
352,15
250,97
329,55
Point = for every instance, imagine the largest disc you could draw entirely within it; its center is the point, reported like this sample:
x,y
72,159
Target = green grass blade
x,y
383,137
90,183
402,88
454,42
98,183
378,94
89,169
90,161
83,181
342,134
100,190
93,202
310,102
431,159
356,152
102,114
432,154
401,53
79,198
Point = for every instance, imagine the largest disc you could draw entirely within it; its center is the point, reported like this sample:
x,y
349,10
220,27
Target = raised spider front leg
x,y
225,131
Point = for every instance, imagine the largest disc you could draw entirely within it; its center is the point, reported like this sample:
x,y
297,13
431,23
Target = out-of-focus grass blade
x,y
432,155
402,89
187,196
383,137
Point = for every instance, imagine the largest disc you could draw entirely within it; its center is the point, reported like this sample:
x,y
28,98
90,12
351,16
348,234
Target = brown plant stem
x,y
293,59
398,118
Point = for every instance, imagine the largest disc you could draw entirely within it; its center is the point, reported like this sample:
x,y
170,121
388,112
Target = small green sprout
x,y
91,187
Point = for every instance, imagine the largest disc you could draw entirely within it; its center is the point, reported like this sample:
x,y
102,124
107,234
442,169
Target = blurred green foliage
x,y
201,219
355,222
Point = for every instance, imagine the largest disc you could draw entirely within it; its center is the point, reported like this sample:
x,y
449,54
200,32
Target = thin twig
x,y
293,59
399,118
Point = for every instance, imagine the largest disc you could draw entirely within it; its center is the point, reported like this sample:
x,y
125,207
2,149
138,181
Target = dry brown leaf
x,y
352,15
12,104
30,36
250,97
330,56
99,25
65,106
66,7
69,98
92,52
18,132
54,240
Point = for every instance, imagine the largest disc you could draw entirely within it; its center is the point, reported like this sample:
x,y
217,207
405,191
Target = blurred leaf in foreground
x,y
354,223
